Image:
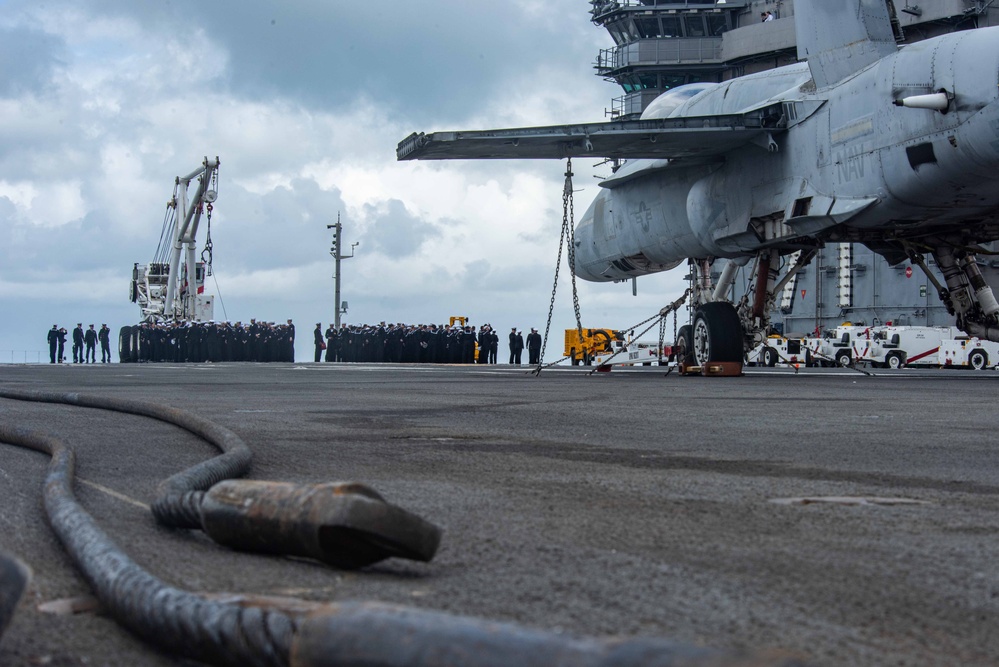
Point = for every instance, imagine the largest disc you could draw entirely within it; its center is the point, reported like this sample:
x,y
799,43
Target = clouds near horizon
x,y
104,103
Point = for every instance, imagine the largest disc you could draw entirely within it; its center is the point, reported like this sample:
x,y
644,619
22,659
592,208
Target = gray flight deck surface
x,y
626,503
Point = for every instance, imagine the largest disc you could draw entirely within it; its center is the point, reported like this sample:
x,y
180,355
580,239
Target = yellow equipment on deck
x,y
593,342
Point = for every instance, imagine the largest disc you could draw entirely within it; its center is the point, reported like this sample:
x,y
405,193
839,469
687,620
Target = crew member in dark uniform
x,y
513,342
53,338
78,343
104,336
320,343
518,348
493,344
330,343
61,354
533,347
90,338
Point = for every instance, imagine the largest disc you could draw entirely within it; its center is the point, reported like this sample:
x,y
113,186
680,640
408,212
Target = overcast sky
x,y
103,103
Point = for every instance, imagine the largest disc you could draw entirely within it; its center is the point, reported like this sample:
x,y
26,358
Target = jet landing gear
x,y
713,344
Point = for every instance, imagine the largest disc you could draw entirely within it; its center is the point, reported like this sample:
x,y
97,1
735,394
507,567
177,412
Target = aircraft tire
x,y
125,345
894,360
685,338
978,360
717,333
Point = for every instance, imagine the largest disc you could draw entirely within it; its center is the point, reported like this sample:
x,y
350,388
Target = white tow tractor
x,y
898,346
969,353
846,345
776,349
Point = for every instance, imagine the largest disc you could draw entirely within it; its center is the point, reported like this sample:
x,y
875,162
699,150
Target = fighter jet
x,y
893,147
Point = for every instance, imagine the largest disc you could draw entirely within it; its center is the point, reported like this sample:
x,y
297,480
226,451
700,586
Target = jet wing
x,y
694,136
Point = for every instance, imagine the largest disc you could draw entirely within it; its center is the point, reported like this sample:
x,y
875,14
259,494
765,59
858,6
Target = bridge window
x,y
647,27
717,24
695,25
621,32
671,26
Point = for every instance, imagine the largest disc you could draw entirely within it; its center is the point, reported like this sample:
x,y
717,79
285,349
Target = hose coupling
x,y
347,525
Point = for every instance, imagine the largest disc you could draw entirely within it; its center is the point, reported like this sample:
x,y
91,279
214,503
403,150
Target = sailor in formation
x,y
209,342
90,339
411,343
78,343
533,347
104,336
53,341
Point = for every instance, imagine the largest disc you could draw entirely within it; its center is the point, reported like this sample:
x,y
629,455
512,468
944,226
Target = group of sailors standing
x,y
419,344
208,341
201,342
84,344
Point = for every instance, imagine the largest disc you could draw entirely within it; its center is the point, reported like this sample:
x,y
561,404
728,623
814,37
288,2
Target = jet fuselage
x,y
847,164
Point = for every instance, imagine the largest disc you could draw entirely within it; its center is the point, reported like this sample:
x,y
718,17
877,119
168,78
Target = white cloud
x,y
136,94
45,204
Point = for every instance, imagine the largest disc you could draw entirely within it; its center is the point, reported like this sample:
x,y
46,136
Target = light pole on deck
x,y
338,307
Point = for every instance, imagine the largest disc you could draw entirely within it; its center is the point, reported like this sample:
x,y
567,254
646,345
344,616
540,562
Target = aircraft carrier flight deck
x,y
828,514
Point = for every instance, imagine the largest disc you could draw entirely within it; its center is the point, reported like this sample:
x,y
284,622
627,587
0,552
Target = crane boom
x,y
165,289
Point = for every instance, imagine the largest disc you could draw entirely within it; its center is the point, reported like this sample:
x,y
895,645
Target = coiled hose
x,y
175,620
352,634
178,501
14,578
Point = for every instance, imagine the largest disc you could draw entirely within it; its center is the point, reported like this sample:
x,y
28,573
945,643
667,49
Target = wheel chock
x,y
689,369
726,369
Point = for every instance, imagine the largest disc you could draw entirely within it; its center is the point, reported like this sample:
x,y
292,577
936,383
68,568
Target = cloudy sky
x,y
103,103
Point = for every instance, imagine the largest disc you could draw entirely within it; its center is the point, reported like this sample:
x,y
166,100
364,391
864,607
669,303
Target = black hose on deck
x,y
177,621
337,635
178,500
14,578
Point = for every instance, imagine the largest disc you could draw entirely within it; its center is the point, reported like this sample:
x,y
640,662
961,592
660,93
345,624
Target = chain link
x,y
660,317
567,238
206,254
669,368
568,221
662,339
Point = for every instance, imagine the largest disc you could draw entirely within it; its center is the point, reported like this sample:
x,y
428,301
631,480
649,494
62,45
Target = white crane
x,y
162,289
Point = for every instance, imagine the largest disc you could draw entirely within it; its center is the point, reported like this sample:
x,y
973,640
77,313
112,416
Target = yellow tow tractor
x,y
593,343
